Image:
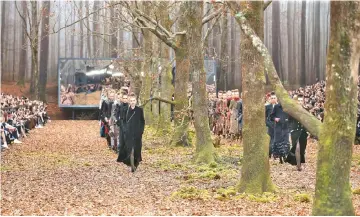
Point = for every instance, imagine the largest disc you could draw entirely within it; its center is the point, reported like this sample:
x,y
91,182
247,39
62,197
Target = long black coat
x,y
133,128
269,123
281,143
120,116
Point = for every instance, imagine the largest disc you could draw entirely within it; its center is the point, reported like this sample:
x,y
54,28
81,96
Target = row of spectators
x,y
19,115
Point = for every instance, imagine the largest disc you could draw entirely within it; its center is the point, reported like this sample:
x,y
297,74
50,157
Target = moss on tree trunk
x,y
146,88
166,88
204,146
166,93
181,117
255,172
332,190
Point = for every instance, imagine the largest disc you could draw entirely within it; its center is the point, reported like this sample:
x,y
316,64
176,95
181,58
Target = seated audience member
x,y
18,116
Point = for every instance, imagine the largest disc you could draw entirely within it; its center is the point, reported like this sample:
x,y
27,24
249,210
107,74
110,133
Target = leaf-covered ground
x,y
67,169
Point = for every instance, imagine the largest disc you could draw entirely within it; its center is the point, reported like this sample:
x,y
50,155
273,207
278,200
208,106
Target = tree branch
x,y
159,99
156,31
88,15
310,122
210,29
267,4
24,21
154,22
211,16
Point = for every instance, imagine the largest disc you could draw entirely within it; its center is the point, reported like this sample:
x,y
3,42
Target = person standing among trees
x,y
269,123
239,108
120,112
133,127
299,137
281,144
105,112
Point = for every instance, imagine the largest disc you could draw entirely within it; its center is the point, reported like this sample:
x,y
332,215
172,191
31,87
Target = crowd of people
x,y
18,116
225,119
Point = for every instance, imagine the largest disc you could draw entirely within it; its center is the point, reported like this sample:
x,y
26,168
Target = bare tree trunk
x,y
276,37
2,36
72,37
166,89
224,57
88,38
255,173
96,28
14,48
291,51
81,31
23,51
44,45
34,43
316,39
333,190
148,63
181,116
114,52
204,146
303,37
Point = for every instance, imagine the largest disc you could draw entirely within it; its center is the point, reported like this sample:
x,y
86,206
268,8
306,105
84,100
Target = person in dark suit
x,y
239,108
120,113
299,137
105,115
133,128
269,123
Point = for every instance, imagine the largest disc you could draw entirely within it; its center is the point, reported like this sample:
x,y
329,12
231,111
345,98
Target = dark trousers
x,y
301,137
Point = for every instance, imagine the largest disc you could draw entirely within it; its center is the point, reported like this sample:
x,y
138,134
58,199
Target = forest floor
x,y
66,168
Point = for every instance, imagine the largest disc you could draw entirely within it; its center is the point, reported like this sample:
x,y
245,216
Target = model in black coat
x,y
281,143
133,124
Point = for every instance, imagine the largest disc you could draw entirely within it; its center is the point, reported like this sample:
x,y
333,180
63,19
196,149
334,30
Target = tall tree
x,y
14,48
88,35
72,34
275,28
224,57
1,35
44,46
3,4
204,146
23,51
147,67
303,47
34,44
255,172
316,40
165,75
81,30
332,190
96,29
114,52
